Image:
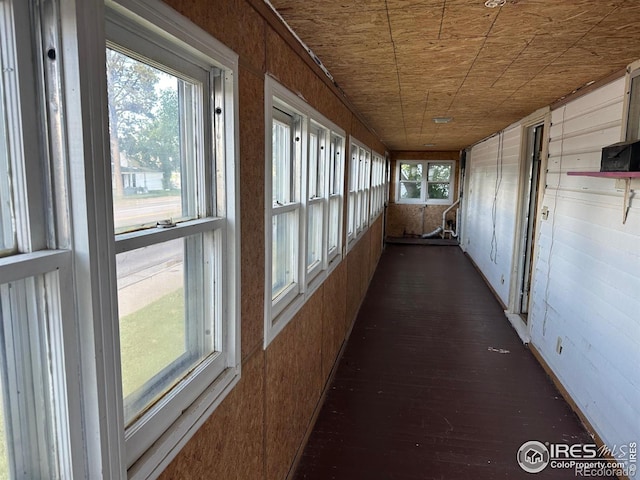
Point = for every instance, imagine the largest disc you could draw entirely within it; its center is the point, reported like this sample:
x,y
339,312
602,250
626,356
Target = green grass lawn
x,y
150,339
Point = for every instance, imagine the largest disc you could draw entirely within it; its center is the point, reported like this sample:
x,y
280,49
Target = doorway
x,y
531,172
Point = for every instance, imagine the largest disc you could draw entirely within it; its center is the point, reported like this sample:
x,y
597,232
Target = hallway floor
x,y
434,383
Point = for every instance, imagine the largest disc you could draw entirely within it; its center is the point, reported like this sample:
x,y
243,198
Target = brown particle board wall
x,y
259,428
414,220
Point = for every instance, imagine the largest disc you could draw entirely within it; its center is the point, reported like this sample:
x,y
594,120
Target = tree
x,y
157,145
132,96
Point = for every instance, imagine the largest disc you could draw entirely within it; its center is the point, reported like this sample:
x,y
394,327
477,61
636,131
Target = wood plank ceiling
x,y
403,62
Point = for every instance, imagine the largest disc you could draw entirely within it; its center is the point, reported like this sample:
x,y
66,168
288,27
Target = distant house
x,y
137,180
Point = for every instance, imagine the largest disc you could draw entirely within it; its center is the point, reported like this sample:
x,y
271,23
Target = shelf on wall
x,y
606,174
627,176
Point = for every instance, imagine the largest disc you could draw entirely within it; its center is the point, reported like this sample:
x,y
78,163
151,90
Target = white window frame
x,y
40,389
631,104
336,195
358,202
293,204
281,309
377,185
424,200
153,440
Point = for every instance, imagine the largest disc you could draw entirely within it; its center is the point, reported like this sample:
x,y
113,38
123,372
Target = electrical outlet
x,y
545,213
559,346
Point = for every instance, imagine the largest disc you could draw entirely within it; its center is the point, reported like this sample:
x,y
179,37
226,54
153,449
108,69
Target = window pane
x,y
284,254
633,119
166,325
7,228
4,458
351,213
28,439
439,191
334,221
282,172
439,172
152,121
353,172
410,190
314,151
314,235
411,171
336,152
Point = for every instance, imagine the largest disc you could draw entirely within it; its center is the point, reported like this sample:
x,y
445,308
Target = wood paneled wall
x,y
259,428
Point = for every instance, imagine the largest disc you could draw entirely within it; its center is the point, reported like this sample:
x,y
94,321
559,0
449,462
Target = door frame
x,y
513,312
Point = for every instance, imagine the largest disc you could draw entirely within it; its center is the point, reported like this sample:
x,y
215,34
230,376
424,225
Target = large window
x,y
304,168
425,182
286,155
170,114
119,286
39,436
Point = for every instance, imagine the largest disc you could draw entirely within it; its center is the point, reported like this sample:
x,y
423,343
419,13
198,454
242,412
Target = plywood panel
x,y
354,273
252,208
413,220
333,317
229,444
293,385
363,257
404,62
222,19
376,244
360,132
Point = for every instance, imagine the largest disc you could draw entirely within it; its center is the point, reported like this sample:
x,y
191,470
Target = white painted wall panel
x,y
493,174
586,283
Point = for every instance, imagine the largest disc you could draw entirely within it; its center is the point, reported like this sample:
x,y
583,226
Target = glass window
x,y
439,180
336,162
426,182
282,156
306,186
317,199
29,446
411,180
166,321
633,116
285,158
167,112
7,225
151,120
284,251
359,190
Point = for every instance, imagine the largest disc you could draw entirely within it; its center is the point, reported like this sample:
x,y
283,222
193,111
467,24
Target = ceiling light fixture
x,y
494,3
442,119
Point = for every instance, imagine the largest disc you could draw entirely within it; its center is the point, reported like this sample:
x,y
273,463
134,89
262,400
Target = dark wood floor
x,y
420,392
